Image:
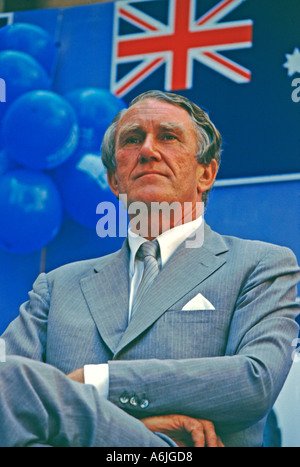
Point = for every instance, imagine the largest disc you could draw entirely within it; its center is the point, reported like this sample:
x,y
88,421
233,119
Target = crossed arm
x,y
52,410
238,389
234,390
183,430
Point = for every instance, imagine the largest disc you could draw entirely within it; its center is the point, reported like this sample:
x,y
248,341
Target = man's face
x,y
156,146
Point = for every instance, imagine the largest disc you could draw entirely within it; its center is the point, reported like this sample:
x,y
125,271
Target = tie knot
x,y
148,249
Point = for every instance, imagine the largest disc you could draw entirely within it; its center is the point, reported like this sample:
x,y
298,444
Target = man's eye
x,y
133,140
168,137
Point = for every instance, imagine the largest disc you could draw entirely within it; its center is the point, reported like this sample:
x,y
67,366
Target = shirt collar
x,y
168,241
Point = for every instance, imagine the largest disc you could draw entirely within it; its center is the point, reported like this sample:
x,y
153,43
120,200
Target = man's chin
x,y
147,195
151,200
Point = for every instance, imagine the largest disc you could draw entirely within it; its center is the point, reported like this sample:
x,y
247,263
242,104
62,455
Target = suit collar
x,y
213,241
186,269
106,290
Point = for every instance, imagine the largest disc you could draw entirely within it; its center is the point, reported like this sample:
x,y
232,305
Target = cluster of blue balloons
x,y
49,144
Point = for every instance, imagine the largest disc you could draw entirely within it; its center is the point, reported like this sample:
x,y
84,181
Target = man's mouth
x,y
150,172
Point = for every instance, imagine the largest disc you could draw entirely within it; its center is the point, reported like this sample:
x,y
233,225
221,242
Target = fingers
x,y
220,443
210,434
185,431
203,433
211,438
77,375
198,437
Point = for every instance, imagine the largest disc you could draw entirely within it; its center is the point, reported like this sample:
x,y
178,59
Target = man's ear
x,y
207,175
113,183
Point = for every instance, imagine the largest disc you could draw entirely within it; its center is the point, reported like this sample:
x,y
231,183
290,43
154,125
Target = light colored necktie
x,y
148,252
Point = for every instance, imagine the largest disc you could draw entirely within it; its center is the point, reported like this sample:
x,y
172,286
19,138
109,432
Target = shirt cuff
x,y
98,376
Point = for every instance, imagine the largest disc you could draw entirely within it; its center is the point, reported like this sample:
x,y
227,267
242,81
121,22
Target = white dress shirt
x,y
169,241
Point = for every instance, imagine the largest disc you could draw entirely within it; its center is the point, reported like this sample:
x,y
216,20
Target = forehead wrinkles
x,y
135,126
139,117
155,109
128,127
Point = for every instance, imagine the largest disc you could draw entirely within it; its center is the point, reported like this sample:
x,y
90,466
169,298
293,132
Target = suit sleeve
x,y
27,334
237,389
52,410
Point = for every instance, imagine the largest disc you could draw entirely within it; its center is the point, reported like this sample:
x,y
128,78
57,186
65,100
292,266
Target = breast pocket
x,y
192,333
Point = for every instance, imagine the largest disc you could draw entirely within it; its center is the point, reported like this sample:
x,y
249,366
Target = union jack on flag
x,y
177,44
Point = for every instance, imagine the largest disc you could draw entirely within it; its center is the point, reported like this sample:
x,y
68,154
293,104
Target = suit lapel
x,y
187,268
106,291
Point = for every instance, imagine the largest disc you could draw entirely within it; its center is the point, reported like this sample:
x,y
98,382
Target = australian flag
x,y
177,42
237,58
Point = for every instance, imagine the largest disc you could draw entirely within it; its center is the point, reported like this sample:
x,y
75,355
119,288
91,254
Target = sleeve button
x,y
124,398
144,403
134,401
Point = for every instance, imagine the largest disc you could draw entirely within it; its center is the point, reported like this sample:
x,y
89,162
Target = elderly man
x,y
181,321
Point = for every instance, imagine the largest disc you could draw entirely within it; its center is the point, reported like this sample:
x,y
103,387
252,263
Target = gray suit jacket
x,y
226,365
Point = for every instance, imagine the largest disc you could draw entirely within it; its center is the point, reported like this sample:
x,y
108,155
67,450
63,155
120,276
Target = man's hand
x,y
185,431
77,375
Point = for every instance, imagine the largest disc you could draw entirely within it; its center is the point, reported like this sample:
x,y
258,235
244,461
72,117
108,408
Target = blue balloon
x,y
30,211
95,109
83,185
40,130
21,74
30,39
6,162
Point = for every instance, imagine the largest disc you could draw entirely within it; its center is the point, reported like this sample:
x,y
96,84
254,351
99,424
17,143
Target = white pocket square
x,y
199,302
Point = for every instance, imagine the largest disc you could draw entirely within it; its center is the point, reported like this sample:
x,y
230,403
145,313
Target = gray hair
x,y
209,139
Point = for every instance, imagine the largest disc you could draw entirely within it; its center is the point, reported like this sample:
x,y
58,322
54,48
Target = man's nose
x,y
149,149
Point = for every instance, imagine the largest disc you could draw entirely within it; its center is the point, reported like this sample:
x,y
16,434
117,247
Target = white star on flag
x,y
293,62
